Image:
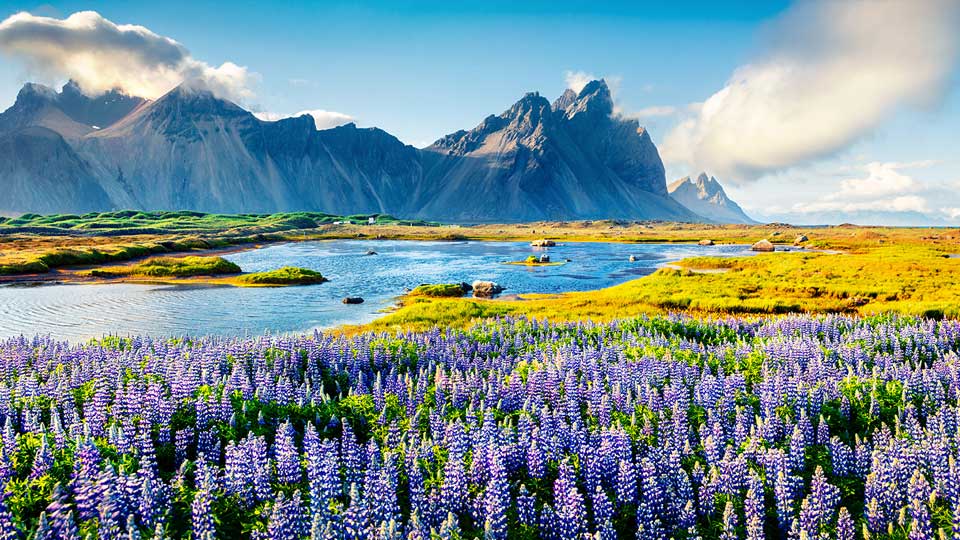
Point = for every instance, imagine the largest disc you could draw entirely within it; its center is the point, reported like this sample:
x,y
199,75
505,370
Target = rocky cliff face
x,y
572,159
705,196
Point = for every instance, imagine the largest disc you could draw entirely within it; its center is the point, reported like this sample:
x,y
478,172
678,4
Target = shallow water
x,y
79,312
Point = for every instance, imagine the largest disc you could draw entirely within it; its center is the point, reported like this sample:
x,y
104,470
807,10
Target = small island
x,y
202,270
533,260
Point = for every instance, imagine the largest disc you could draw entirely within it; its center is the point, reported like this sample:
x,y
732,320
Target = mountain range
x,y
67,152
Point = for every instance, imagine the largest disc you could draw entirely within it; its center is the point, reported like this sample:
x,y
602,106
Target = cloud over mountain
x,y
833,72
101,55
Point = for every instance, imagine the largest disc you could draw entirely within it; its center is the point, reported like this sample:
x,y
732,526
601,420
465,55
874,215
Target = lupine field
x,y
670,427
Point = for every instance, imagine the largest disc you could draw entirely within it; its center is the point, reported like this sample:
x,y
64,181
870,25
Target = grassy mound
x,y
172,267
288,275
441,290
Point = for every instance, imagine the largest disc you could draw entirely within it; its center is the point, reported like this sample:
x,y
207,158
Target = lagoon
x,y
78,312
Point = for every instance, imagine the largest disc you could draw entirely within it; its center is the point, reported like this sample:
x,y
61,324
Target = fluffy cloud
x,y
101,55
576,80
834,71
323,119
884,187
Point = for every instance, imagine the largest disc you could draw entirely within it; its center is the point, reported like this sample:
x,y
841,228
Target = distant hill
x,y
705,196
572,159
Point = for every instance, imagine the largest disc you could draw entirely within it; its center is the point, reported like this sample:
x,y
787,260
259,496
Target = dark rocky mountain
x,y
573,159
570,160
705,196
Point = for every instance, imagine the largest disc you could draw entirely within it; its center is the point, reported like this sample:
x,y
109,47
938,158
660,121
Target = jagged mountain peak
x,y
594,98
187,99
70,112
706,196
33,91
565,99
190,149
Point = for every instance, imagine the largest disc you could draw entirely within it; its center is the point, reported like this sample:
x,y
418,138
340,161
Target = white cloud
x,y
655,111
883,188
952,213
905,203
576,80
834,71
101,55
882,179
323,119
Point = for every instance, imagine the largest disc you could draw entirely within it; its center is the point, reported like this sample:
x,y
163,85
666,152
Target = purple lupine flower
x,y
8,531
43,530
42,461
109,511
131,530
355,519
918,496
287,455
845,527
626,483
287,519
201,513
729,531
753,509
496,502
450,529
61,517
526,511
603,516
453,491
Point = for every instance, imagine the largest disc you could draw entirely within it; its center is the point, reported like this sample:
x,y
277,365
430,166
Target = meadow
x,y
666,427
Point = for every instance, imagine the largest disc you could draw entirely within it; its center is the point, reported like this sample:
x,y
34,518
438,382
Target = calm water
x,y
78,312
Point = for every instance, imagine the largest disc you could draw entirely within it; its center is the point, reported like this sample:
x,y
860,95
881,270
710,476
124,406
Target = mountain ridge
x,y
569,159
705,196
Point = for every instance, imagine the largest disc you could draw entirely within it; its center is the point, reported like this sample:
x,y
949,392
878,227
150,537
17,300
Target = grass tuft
x,y
288,275
171,267
442,290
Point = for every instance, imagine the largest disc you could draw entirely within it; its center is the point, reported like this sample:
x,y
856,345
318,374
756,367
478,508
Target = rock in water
x,y
705,242
633,258
486,289
543,243
763,246
353,300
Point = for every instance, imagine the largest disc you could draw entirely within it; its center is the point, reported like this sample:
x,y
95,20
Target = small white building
x,y
371,220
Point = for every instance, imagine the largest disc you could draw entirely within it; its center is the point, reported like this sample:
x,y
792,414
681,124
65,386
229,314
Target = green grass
x,y
908,278
442,290
288,275
171,267
128,222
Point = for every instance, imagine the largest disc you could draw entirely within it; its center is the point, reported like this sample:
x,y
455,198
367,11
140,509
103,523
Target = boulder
x,y
353,300
543,243
486,289
633,258
544,258
371,252
705,242
801,238
764,246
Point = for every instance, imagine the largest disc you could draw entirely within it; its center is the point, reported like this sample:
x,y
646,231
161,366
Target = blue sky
x,y
423,69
